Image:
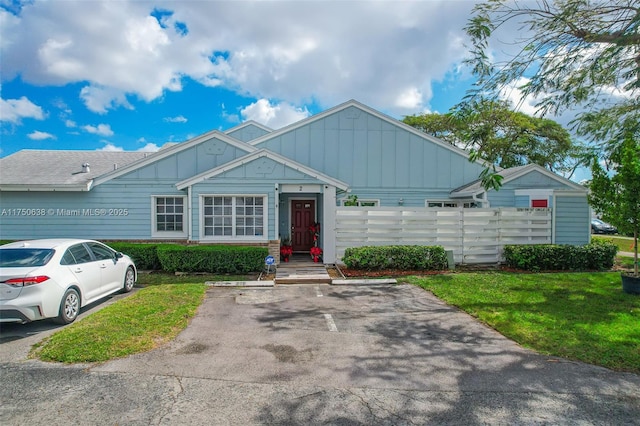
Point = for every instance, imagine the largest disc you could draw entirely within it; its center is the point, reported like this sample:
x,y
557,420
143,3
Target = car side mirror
x,y
119,255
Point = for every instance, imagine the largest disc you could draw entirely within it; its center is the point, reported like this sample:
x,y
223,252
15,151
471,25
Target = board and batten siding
x,y
571,219
248,133
110,211
187,163
506,197
365,151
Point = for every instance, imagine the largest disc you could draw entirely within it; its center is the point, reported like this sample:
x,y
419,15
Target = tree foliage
x,y
495,133
615,194
573,52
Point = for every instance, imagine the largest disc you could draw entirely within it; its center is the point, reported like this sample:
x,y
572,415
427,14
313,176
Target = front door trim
x,y
305,242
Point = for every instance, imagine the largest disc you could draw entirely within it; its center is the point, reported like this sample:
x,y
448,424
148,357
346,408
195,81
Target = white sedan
x,y
54,278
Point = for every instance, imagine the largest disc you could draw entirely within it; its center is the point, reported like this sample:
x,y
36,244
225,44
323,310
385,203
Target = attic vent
x,y
85,168
115,166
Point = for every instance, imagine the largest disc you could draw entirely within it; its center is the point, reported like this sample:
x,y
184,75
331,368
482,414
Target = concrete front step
x,y
302,274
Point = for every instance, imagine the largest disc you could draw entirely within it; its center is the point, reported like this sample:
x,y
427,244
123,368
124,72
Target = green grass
x,y
624,244
147,319
625,262
580,316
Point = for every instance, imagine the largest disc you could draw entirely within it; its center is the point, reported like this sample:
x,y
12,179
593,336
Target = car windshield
x,y
24,257
597,222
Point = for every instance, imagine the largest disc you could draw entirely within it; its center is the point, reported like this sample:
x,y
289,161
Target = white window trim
x,y
169,234
241,238
364,200
536,194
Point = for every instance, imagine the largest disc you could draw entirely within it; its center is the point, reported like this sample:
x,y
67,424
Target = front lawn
x,y
143,321
624,244
580,316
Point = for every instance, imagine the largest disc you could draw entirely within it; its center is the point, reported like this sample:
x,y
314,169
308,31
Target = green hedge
x,y
145,256
219,259
597,256
396,257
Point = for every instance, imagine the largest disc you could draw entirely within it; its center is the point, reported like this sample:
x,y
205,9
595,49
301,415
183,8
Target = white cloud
x,y
111,147
37,135
14,110
100,129
410,99
70,123
527,104
99,99
273,116
296,52
514,95
176,119
149,147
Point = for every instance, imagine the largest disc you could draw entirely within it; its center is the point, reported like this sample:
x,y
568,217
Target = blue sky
x,y
135,74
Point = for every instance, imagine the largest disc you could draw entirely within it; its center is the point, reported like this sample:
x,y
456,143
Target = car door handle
x,y
78,270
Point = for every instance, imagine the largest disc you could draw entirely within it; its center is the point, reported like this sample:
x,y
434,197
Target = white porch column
x,y
329,225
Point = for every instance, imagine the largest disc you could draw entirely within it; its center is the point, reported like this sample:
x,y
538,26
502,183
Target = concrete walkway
x,y
302,271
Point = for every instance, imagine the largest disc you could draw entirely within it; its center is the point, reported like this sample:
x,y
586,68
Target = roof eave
x,y
257,154
47,188
465,194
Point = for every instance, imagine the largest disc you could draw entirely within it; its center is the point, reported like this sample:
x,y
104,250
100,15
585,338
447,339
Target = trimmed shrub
x,y
145,256
219,259
396,257
597,256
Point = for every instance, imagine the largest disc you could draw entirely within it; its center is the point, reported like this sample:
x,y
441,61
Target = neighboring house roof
x,y
174,149
254,156
35,170
511,174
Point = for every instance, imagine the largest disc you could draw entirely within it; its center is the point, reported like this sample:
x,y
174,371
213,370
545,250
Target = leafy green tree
x,y
573,52
493,132
566,53
617,197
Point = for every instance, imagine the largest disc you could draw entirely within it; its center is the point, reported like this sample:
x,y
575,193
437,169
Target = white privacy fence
x,y
474,235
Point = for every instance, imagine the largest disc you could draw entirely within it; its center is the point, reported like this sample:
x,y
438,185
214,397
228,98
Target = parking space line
x,y
330,323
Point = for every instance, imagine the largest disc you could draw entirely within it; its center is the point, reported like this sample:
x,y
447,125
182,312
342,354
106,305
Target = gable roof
x,y
259,154
174,149
38,170
511,174
369,110
250,123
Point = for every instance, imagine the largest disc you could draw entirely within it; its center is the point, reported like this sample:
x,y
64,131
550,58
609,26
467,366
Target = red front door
x,y
303,215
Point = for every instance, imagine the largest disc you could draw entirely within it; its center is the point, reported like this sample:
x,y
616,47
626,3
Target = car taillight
x,y
27,280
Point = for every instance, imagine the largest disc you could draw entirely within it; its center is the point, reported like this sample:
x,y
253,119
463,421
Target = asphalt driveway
x,y
319,354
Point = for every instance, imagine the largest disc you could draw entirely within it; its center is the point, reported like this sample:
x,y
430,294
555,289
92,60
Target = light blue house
x,y
253,185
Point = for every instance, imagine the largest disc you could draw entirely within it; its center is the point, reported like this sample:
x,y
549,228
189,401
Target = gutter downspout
x,y
554,209
189,221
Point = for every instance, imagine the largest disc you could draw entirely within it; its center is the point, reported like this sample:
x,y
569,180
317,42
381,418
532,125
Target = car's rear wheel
x,y
69,307
129,280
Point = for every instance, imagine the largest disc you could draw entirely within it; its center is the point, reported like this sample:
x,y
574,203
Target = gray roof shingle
x,y
34,168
